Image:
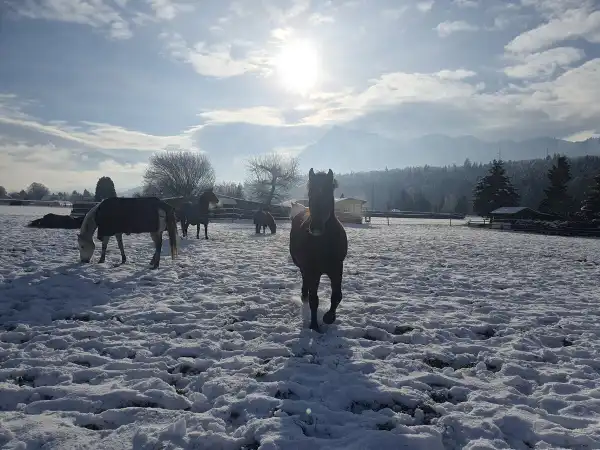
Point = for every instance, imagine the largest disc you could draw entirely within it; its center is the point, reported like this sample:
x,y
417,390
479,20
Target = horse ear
x,y
311,173
330,174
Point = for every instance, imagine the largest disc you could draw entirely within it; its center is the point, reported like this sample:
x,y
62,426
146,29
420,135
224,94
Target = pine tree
x,y
494,191
462,205
557,200
590,207
105,188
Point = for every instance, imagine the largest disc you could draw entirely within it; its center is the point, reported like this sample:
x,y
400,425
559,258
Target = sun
x,y
298,66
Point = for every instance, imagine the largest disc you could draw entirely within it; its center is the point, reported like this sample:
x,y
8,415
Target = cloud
x,y
425,6
261,115
466,3
447,28
572,24
60,169
544,64
97,14
212,61
168,9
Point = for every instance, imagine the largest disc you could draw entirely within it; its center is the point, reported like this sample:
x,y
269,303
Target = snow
x,y
447,338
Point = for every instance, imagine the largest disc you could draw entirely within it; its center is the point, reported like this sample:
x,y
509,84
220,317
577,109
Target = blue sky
x,y
93,87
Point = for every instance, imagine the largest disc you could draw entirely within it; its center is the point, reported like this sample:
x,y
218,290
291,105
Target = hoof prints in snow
x,y
433,349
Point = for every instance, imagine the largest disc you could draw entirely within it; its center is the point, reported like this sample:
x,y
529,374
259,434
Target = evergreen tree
x,y
462,205
105,188
590,207
494,191
557,200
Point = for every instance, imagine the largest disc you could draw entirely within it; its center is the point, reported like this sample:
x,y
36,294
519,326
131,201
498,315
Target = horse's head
x,y
320,200
210,197
86,248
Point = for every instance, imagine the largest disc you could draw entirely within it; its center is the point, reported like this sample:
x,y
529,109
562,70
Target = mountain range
x,y
346,150
358,151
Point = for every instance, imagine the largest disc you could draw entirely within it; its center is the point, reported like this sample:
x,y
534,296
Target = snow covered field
x,y
447,338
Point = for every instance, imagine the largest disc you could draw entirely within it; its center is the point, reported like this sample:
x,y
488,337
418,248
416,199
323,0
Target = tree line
x,y
452,188
179,173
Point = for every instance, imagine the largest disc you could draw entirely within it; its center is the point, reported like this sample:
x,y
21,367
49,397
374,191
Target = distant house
x,y
509,214
347,209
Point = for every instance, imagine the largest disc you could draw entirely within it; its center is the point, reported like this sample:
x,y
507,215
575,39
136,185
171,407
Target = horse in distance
x,y
196,213
319,245
263,219
117,215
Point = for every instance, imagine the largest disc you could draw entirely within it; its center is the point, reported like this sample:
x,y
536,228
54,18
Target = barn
x,y
347,209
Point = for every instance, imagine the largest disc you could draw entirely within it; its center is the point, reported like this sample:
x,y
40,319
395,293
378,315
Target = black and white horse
x,y
118,215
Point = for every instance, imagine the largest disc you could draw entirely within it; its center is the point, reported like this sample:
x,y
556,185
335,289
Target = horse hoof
x,y
329,317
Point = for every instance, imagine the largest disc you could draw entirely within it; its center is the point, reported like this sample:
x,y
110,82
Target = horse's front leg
x,y
336,293
119,237
198,231
157,238
206,231
105,240
313,280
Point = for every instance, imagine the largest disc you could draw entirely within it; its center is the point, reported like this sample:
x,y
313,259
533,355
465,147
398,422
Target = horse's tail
x,y
172,231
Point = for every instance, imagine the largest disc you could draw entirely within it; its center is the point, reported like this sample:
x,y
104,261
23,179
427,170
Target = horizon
x,y
94,89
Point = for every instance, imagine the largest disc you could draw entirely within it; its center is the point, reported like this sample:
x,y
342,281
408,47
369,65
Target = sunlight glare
x,y
298,66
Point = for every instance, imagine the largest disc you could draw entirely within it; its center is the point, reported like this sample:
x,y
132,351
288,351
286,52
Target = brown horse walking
x,y
196,214
318,245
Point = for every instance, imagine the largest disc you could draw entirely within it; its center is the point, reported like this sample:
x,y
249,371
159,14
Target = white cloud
x,y
168,9
447,28
21,164
260,115
571,24
97,14
425,6
212,61
100,136
582,136
466,3
543,64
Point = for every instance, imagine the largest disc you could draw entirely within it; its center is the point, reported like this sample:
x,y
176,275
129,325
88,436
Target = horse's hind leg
x,y
304,291
198,231
157,238
336,293
121,248
206,231
105,240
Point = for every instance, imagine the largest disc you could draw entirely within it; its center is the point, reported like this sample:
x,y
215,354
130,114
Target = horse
x,y
319,245
264,219
118,215
196,214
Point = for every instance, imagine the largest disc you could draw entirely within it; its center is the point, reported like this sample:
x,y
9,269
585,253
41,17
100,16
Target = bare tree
x,y
178,174
3,192
270,177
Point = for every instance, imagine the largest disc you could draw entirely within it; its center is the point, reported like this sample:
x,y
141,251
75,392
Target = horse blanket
x,y
128,215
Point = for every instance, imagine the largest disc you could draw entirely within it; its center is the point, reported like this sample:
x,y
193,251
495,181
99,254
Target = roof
x,y
359,200
510,210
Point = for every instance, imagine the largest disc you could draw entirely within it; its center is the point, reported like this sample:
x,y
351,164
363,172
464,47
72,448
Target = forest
x,y
441,188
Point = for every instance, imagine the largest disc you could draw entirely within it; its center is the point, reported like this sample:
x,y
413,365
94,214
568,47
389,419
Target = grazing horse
x,y
196,214
264,219
118,215
318,245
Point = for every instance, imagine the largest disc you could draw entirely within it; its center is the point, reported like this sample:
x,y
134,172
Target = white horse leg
x,y
157,238
119,237
105,240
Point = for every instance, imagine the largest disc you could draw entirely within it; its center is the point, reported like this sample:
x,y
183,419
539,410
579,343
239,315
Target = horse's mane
x,y
88,221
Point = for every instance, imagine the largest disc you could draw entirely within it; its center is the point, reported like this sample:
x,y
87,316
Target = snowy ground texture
x,y
447,338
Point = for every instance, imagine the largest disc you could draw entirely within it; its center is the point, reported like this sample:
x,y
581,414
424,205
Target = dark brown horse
x,y
318,245
197,213
264,219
